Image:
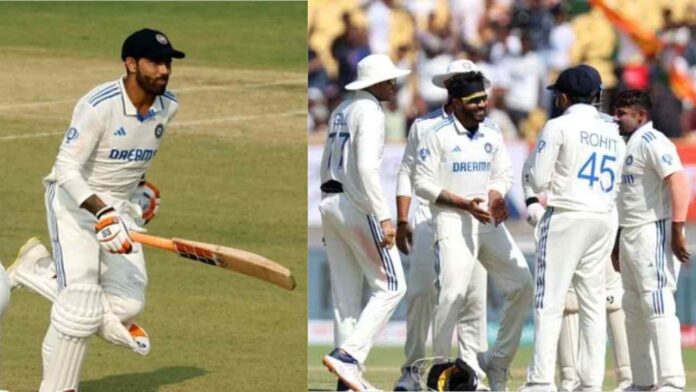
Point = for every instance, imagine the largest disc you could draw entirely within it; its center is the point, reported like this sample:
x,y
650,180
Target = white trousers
x,y
649,272
79,258
457,252
616,328
573,248
420,296
352,244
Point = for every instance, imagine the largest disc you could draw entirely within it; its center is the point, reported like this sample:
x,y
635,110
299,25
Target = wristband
x,y
531,201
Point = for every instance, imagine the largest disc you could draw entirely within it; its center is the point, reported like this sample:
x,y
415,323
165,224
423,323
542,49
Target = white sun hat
x,y
459,67
373,69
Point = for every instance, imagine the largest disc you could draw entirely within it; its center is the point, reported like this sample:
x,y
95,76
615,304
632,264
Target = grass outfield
x,y
231,169
383,368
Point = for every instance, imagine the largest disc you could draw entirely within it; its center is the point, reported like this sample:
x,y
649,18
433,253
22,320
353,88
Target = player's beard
x,y
151,85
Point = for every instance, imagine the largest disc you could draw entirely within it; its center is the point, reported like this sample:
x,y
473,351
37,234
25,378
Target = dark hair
x,y
586,99
637,98
460,84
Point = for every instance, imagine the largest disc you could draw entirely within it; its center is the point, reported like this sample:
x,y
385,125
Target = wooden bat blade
x,y
236,260
232,259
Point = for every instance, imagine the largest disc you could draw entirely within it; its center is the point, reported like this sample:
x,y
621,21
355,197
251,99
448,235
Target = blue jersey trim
x,y
169,95
441,124
106,98
102,93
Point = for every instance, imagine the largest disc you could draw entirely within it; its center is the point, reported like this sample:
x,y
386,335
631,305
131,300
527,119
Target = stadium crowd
x,y
520,45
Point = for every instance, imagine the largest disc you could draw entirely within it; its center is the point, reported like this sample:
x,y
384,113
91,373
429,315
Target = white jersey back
x,y
109,146
353,152
643,196
418,131
470,165
578,160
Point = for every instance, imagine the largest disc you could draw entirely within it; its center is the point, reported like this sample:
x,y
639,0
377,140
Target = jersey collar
x,y
581,108
130,110
648,126
361,94
462,130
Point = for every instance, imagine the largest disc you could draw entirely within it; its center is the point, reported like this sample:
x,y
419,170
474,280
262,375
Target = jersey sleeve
x,y
662,156
427,168
501,170
404,186
369,147
527,178
78,145
544,157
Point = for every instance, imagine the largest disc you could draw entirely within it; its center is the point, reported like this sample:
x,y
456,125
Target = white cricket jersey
x,y
643,196
404,182
109,145
467,164
578,161
353,152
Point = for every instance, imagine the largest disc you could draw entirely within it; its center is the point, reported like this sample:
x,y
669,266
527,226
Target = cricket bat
x,y
237,260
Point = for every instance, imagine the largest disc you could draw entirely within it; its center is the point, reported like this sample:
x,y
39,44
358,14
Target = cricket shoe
x,y
623,386
347,369
668,388
633,388
568,385
142,340
33,259
532,387
497,376
409,380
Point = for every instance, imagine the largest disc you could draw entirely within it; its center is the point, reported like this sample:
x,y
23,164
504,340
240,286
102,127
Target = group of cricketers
x,y
96,194
604,193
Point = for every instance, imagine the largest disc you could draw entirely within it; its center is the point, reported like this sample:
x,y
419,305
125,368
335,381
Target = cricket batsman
x,y
114,134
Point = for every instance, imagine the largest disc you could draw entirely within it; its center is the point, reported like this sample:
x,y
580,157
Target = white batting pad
x,y
75,316
4,290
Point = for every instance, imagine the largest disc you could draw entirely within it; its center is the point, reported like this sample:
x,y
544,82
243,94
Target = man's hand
x,y
112,232
534,213
147,196
404,237
472,207
679,242
496,207
389,233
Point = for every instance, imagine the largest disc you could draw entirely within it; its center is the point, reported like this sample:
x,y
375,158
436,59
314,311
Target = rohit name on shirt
x,y
596,140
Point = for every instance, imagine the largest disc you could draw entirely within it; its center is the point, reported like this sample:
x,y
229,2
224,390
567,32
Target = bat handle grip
x,y
154,241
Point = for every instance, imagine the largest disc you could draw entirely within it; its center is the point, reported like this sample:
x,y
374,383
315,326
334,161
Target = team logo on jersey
x,y
71,135
339,120
488,147
629,160
423,153
457,149
120,132
159,130
667,158
540,146
161,39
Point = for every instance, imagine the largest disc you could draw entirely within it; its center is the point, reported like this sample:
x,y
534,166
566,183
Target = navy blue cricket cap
x,y
150,44
579,81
